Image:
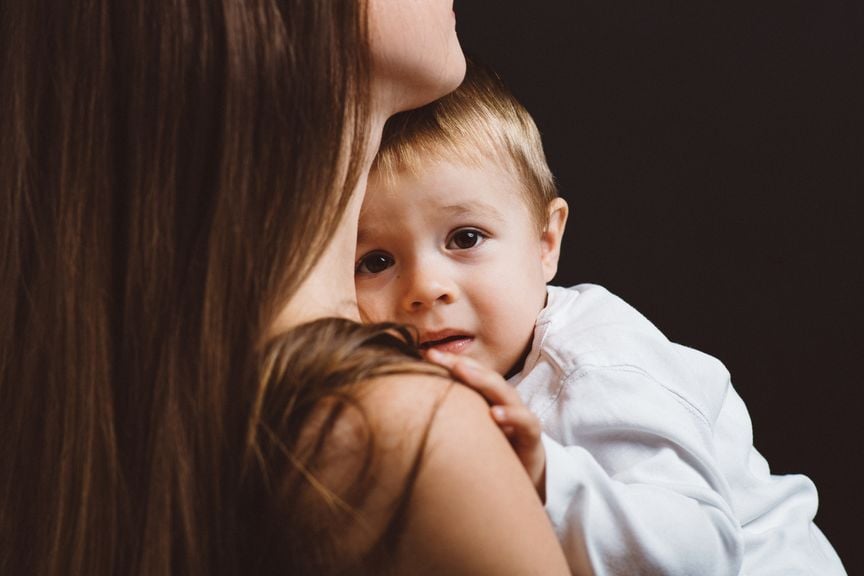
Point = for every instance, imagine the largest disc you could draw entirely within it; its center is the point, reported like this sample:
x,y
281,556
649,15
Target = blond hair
x,y
479,122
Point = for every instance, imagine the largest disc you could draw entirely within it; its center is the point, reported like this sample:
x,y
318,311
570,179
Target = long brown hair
x,y
167,176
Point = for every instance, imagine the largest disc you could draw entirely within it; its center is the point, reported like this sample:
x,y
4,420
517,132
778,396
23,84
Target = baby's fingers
x,y
487,382
518,423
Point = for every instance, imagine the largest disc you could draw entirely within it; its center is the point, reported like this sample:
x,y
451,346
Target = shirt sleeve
x,y
636,488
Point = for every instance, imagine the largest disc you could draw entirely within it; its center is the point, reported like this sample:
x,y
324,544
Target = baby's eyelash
x,y
373,263
466,238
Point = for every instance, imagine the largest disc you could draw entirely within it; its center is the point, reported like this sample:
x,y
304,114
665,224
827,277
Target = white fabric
x,y
651,467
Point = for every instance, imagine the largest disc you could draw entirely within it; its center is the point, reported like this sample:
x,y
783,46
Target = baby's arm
x,y
637,483
641,492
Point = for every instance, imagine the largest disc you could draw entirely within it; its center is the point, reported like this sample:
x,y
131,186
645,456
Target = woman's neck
x,y
329,288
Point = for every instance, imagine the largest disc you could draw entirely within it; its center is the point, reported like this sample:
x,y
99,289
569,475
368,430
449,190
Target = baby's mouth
x,y
453,344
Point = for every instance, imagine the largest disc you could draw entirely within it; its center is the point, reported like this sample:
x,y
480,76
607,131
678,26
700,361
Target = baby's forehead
x,y
447,176
473,164
449,187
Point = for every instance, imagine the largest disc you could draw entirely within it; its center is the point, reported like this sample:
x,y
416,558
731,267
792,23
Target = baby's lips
x,y
453,344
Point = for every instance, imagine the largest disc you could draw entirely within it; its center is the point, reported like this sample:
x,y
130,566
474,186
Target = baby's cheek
x,y
371,307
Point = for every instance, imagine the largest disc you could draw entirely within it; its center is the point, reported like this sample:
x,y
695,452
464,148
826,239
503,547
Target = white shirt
x,y
650,463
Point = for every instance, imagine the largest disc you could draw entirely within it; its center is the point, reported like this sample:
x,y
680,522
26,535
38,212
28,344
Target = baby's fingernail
x,y
467,368
498,413
434,355
439,357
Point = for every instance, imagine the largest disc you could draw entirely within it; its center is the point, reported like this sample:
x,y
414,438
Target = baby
x,y
646,460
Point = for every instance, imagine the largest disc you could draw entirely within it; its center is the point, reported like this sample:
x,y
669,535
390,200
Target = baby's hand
x,y
518,423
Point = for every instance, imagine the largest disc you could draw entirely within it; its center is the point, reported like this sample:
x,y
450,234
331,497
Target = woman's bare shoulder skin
x,y
472,508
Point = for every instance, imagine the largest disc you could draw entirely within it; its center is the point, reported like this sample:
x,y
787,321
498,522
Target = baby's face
x,y
453,250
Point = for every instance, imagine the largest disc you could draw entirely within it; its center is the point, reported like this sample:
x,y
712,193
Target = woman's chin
x,y
429,84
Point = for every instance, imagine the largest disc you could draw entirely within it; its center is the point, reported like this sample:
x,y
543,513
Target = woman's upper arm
x,y
473,509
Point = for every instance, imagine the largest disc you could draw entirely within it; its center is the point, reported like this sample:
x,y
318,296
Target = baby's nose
x,y
428,286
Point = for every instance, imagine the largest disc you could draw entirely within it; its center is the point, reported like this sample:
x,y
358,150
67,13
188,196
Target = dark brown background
x,y
712,154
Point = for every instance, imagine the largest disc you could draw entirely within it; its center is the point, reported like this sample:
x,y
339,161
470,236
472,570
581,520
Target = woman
x,y
181,182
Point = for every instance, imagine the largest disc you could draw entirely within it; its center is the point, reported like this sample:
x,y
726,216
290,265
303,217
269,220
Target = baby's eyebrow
x,y
469,208
369,232
363,235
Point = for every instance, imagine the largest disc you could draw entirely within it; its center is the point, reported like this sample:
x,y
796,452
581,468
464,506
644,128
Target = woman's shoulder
x,y
395,466
470,507
415,403
372,455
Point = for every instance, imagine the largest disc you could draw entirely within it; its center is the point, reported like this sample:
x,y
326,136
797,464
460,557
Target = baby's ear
x,y
550,240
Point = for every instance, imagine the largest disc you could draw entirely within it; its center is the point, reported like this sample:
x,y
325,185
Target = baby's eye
x,y
374,263
465,238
